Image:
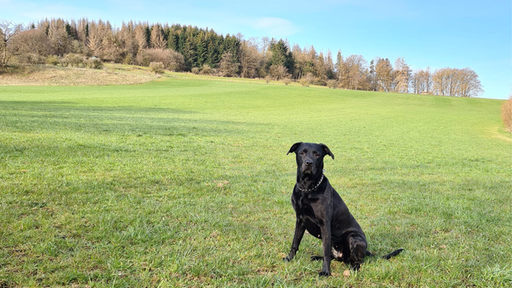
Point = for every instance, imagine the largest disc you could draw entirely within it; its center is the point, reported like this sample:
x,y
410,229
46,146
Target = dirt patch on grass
x,y
44,75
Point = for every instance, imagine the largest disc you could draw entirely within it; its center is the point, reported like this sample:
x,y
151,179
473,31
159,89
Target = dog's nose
x,y
309,162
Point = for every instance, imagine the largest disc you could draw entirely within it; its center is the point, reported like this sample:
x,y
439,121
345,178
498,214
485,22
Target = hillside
x,y
49,75
185,182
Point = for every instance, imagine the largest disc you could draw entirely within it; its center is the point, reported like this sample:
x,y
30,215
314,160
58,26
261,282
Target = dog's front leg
x,y
327,247
297,237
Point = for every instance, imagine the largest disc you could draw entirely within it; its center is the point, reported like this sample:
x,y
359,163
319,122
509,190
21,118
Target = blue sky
x,y
455,34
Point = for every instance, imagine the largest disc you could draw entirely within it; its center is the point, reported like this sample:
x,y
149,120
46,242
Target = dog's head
x,y
310,157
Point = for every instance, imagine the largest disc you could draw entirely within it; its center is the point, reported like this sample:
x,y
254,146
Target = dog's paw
x,y
287,259
355,266
324,274
317,258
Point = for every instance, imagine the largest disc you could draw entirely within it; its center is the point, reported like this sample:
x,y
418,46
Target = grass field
x,y
186,182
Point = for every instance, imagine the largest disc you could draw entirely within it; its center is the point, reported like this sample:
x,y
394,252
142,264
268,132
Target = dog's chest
x,y
304,206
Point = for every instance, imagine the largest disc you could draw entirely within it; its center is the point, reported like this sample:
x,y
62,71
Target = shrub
x,y
287,80
304,82
63,62
195,70
157,67
171,59
268,78
332,84
75,60
128,59
206,70
94,63
307,80
319,81
52,60
506,114
31,58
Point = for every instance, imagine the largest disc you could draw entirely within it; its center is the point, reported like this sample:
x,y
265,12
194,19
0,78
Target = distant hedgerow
x,y
506,114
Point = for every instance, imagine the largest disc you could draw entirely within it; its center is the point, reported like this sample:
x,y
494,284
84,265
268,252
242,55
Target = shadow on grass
x,y
30,116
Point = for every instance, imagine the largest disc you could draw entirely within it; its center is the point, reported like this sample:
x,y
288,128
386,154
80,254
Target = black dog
x,y
321,211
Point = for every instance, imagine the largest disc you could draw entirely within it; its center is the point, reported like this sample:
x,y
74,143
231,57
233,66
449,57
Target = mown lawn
x,y
186,182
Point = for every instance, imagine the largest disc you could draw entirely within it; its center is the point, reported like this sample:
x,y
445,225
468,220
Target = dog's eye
x,y
316,154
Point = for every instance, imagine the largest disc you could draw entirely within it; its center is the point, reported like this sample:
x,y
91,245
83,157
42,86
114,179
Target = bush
x,y
304,82
75,60
94,63
52,60
128,59
268,78
506,114
307,80
171,59
332,84
287,80
319,81
206,70
157,67
63,62
195,70
31,58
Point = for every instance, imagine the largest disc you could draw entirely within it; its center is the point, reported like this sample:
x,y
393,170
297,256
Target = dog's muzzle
x,y
308,168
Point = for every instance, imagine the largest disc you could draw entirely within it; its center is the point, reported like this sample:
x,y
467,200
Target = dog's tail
x,y
387,256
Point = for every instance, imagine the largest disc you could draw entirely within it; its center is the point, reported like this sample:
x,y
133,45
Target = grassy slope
x,y
185,181
48,75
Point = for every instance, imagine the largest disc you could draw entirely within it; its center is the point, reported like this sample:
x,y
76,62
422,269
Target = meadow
x,y
185,182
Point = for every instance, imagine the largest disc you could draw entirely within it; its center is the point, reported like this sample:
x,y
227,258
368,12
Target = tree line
x,y
204,51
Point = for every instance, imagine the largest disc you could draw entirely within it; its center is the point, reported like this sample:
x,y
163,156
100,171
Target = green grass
x,y
186,182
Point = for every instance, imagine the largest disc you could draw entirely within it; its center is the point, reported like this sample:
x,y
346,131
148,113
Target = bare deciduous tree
x,y
250,59
402,76
58,36
141,37
95,39
278,72
470,85
227,67
33,41
8,31
355,68
157,38
421,81
384,74
456,82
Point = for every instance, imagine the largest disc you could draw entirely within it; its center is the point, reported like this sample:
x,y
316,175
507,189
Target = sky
x,y
435,33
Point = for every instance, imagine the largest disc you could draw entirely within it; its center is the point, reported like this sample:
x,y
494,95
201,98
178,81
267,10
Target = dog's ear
x,y
294,147
327,150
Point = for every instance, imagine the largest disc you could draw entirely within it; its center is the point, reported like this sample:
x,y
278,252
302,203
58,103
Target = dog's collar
x,y
314,188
